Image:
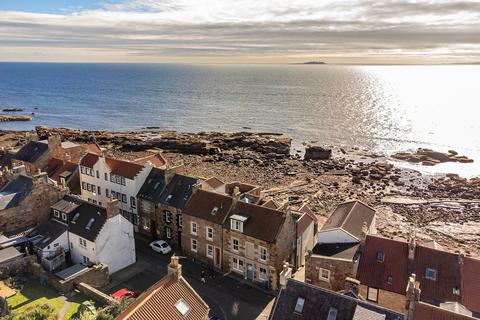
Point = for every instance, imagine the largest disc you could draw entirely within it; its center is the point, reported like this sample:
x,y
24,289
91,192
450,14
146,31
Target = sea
x,y
384,109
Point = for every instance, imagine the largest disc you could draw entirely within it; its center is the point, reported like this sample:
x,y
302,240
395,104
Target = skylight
x,y
156,185
89,225
214,211
299,305
75,218
169,197
182,307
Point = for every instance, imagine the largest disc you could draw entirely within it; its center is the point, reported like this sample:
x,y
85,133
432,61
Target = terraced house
x,y
256,241
170,207
104,177
203,220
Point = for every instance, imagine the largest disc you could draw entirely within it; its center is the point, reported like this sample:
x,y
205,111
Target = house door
x,y
179,239
249,272
217,258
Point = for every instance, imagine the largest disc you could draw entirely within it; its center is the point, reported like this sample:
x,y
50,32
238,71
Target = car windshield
x,y
164,245
156,245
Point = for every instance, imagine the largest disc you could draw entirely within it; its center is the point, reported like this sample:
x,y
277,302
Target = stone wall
x,y
95,294
16,267
202,242
340,269
35,208
96,276
387,299
173,225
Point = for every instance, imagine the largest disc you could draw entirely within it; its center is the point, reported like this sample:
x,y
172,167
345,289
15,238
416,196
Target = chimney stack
x,y
113,208
352,285
413,296
411,252
66,158
285,275
175,267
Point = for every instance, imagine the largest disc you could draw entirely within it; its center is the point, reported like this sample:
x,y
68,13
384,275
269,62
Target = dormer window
x,y
332,314
236,222
64,216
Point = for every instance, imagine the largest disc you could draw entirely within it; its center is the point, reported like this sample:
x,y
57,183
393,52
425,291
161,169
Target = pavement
x,y
227,297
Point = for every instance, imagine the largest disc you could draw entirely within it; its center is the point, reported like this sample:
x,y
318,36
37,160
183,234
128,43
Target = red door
x,y
217,257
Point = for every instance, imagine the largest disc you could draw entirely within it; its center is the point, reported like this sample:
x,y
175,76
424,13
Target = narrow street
x,y
228,298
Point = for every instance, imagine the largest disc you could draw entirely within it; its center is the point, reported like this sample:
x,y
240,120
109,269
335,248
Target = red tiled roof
x,y
202,203
448,273
158,302
55,167
156,161
89,160
471,284
425,311
92,148
373,273
123,168
263,223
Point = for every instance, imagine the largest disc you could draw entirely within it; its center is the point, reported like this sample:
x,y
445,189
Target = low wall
x,y
16,267
95,294
96,276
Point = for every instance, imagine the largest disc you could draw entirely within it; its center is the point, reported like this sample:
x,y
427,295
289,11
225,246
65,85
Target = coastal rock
x,y
317,153
428,157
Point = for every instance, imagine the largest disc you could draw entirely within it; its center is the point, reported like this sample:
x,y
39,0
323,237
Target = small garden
x,y
34,301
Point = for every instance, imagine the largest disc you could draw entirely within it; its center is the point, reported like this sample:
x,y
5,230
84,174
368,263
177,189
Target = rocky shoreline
x,y
15,118
443,208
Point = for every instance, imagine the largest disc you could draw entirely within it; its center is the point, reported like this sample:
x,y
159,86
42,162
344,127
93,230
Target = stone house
x,y
148,198
25,201
443,277
104,177
335,255
170,206
256,241
203,219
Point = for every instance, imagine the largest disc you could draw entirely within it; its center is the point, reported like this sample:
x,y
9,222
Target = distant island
x,y
314,62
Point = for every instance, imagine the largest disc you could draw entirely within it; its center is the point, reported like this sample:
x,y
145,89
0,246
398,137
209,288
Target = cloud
x,y
248,31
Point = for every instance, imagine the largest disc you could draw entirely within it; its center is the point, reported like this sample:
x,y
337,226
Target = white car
x,y
161,246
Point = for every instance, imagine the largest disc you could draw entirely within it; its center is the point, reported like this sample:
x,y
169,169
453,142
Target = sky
x,y
240,31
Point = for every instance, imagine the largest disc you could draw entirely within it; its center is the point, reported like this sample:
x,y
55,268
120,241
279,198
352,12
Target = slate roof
x,y
428,311
350,216
32,151
87,211
303,223
263,223
448,273
158,302
51,230
15,191
9,254
202,204
67,204
336,250
318,302
471,284
153,186
374,273
178,191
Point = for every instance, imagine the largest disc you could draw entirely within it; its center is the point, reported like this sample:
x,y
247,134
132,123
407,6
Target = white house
x,y
349,223
99,235
103,177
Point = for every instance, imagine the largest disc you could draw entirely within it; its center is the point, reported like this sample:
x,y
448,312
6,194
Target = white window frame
x,y
238,265
193,245
133,202
56,213
210,238
168,216
236,225
180,220
209,251
263,276
372,291
321,277
193,228
427,270
233,245
260,253
82,242
64,216
168,233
